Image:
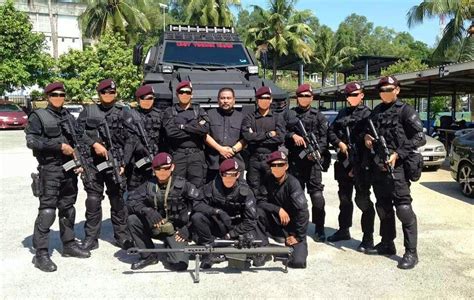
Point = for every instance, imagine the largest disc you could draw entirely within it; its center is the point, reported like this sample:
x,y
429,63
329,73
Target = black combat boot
x,y
366,244
89,244
211,259
260,260
125,244
144,262
409,260
340,235
383,248
72,250
44,263
320,236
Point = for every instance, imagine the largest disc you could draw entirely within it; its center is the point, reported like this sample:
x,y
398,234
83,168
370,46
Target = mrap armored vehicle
x,y
211,58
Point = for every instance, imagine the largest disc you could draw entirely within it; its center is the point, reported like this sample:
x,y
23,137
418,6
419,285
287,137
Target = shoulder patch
x,y
179,182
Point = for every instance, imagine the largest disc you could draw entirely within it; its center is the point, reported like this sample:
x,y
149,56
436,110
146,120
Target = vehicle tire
x,y
434,168
466,179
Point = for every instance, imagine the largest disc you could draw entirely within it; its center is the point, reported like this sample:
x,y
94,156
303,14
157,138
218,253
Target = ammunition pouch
x,y
36,186
413,166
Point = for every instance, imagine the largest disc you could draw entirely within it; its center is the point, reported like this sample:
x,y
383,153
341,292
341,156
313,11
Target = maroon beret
x,y
106,84
388,80
184,84
55,86
305,87
352,87
144,90
161,159
262,91
228,165
276,155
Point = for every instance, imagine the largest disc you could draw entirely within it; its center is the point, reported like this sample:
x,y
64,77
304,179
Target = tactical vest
x,y
389,125
308,118
176,204
51,124
152,125
95,117
174,110
233,205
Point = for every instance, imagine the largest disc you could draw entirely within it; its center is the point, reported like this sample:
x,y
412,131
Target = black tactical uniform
x,y
402,129
149,204
225,130
91,120
256,132
56,188
185,132
224,211
349,127
289,196
136,150
307,171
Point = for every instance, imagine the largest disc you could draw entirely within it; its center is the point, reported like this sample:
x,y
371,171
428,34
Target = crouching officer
x,y
56,188
160,209
402,129
305,169
185,127
94,119
228,210
351,169
144,125
283,209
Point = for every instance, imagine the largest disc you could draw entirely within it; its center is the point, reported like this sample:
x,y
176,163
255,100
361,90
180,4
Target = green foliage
x,y
81,71
404,66
22,63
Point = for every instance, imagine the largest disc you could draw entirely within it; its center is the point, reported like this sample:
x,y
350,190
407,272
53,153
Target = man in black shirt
x,y
224,140
283,208
351,169
264,132
185,128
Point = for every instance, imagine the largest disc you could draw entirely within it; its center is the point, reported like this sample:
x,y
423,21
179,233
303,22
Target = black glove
x,y
183,232
152,216
225,218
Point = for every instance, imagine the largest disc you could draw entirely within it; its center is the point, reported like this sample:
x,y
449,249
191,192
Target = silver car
x,y
74,109
433,152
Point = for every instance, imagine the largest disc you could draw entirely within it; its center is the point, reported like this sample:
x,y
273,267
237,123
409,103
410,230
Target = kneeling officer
x,y
160,208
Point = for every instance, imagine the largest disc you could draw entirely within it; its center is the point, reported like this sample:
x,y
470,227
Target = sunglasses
x,y
112,92
353,94
304,95
162,168
56,95
147,98
265,98
386,90
185,93
229,174
277,165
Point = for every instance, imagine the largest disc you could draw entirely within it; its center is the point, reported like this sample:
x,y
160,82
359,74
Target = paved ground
x,y
446,240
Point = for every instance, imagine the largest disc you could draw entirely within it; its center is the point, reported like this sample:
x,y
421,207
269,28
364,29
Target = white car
x,y
433,152
74,109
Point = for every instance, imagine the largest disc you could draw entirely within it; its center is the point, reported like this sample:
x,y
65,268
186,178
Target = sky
x,y
388,13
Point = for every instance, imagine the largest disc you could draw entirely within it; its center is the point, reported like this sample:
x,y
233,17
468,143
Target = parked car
x,y
74,109
12,116
433,152
461,161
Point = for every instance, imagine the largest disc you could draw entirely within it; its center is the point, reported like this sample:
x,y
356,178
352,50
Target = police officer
x,y
402,129
160,208
144,125
351,169
264,132
305,169
283,208
93,119
52,146
228,209
185,127
224,140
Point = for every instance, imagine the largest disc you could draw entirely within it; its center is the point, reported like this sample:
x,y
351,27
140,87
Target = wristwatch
x,y
234,150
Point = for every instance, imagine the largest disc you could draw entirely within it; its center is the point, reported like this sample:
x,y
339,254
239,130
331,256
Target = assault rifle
x,y
237,252
312,145
351,148
143,136
114,155
381,149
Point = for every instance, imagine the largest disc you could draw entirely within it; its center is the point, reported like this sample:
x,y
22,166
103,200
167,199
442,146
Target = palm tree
x,y
458,12
122,16
282,29
209,12
330,54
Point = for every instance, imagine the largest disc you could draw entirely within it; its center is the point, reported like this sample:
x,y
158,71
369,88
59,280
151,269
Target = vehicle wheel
x,y
434,168
466,179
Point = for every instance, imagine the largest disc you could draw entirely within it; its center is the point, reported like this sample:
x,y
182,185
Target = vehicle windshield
x,y
9,107
205,54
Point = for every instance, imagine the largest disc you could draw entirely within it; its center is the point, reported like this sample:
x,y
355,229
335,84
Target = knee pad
x,y
68,216
93,202
46,218
344,197
317,199
363,202
405,213
383,212
198,219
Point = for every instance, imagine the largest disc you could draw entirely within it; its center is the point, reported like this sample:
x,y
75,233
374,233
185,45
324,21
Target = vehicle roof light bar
x,y
190,28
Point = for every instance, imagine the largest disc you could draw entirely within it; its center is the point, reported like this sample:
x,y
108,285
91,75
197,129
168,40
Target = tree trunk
x,y
275,64
53,21
323,79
